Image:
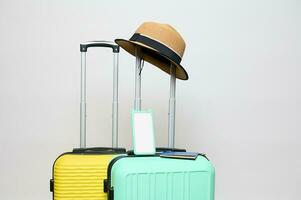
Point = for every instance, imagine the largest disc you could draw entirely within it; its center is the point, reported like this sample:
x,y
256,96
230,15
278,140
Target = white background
x,y
241,104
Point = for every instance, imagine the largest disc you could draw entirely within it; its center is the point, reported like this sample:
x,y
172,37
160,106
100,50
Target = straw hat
x,y
160,45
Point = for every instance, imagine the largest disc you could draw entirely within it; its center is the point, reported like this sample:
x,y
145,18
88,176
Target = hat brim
x,y
153,56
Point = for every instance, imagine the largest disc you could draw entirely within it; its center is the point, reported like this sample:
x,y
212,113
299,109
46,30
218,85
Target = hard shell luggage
x,y
79,175
133,177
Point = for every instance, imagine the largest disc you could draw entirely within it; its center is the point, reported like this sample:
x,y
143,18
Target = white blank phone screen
x,y
143,133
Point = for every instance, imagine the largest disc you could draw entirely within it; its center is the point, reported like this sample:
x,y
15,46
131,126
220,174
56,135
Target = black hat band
x,y
161,48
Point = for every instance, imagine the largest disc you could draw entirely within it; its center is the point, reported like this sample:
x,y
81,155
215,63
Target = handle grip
x,y
160,150
84,46
99,150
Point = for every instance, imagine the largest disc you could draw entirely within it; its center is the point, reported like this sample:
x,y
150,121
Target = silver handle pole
x,y
115,102
172,107
83,102
83,112
137,103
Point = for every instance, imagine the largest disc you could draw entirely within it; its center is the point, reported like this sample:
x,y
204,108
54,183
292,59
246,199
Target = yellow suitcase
x,y
79,175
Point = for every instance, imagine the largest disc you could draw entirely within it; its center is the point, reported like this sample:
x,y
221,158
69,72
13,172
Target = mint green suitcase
x,y
136,177
156,178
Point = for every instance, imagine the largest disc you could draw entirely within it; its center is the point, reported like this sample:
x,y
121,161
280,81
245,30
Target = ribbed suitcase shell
x,y
156,178
80,176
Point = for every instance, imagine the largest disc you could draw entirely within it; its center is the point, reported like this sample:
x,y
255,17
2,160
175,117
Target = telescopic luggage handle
x,y
83,112
85,45
172,97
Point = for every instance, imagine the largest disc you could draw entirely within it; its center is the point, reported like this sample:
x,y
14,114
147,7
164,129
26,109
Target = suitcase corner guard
x,y
105,186
51,185
108,190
